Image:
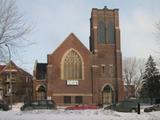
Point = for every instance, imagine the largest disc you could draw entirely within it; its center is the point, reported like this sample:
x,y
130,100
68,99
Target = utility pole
x,y
10,75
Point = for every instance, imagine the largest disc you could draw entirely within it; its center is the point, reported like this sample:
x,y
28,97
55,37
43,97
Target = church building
x,y
75,75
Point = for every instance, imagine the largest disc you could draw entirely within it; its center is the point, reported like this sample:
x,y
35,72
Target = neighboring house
x,y
129,91
75,75
15,79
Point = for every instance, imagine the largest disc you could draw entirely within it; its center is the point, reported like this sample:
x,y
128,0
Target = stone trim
x,y
71,94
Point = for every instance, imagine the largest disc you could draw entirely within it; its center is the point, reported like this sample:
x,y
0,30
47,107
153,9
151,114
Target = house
x,y
15,83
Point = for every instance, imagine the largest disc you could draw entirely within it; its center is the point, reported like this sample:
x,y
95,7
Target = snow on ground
x,y
61,114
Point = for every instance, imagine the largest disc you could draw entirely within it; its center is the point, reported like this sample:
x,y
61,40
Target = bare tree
x,y
133,69
157,26
129,70
157,36
139,79
13,30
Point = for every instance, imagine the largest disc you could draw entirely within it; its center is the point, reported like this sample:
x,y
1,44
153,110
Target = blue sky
x,y
54,20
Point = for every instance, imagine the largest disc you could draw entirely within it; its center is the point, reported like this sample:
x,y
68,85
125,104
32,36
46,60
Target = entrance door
x,y
41,93
107,95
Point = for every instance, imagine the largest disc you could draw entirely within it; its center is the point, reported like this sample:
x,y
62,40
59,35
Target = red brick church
x,y
76,75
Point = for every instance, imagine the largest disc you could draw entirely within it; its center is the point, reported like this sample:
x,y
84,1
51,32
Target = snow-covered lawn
x,y
62,114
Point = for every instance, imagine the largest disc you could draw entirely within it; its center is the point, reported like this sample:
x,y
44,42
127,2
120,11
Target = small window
x,y
7,77
103,69
67,99
111,70
13,75
79,99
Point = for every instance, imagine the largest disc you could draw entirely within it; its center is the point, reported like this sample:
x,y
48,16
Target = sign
x,y
49,98
72,82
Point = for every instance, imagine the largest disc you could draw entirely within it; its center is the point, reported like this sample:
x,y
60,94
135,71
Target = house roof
x,y
2,67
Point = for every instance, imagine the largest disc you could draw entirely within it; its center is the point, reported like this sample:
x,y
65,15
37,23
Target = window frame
x,y
79,99
72,75
67,100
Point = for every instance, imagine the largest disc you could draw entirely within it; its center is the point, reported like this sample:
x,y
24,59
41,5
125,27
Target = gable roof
x,y
4,67
70,37
8,65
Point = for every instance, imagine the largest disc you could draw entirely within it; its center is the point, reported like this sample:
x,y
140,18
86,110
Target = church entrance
x,y
107,95
41,93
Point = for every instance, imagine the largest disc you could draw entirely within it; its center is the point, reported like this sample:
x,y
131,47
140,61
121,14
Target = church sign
x,y
72,82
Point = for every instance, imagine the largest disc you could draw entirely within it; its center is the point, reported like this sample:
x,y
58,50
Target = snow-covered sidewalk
x,y
61,114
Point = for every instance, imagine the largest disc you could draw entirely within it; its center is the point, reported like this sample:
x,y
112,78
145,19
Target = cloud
x,y
138,21
54,25
138,33
56,19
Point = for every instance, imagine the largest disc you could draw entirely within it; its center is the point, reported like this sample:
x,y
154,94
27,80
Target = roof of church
x,y
71,36
106,8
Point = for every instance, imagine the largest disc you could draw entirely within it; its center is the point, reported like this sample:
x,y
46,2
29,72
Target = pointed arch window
x,y
101,32
111,33
72,66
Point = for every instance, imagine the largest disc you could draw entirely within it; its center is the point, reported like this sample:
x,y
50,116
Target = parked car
x,y
81,107
152,108
3,105
124,106
40,104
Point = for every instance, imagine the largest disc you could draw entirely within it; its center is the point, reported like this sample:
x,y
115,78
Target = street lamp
x,y
10,75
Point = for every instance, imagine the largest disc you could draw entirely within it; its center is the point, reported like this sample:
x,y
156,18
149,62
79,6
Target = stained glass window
x,y
72,66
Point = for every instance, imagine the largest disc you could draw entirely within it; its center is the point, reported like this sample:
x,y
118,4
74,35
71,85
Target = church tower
x,y
107,59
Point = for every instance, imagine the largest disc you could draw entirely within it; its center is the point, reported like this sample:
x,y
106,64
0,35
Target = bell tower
x,y
107,58
104,28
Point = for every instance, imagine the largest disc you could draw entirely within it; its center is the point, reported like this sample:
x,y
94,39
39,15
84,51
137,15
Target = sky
x,y
54,20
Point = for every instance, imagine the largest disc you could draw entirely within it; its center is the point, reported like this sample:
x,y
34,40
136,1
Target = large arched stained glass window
x,y
72,66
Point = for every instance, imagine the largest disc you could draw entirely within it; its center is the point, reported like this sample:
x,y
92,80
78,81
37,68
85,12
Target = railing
x,y
13,80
